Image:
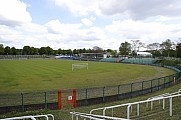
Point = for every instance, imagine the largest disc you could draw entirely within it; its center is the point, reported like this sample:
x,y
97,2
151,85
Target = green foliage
x,y
125,48
26,50
7,50
1,49
167,48
178,50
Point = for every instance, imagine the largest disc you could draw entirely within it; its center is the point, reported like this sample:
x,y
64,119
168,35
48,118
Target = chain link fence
x,y
98,95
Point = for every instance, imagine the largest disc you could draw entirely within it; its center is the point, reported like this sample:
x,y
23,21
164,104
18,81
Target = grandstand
x,y
92,56
113,60
140,60
130,60
67,57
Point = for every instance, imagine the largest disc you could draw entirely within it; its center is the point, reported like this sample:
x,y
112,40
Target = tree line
x,y
27,50
166,49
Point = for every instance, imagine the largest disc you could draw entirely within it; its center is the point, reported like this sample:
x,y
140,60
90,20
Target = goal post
x,y
79,66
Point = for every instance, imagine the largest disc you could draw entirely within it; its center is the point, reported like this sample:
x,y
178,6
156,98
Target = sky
x,y
78,24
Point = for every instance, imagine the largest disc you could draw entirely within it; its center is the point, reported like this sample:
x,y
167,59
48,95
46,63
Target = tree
x,y
59,51
26,50
111,52
14,51
97,49
33,51
42,51
7,50
1,49
154,48
89,50
84,50
135,46
166,47
49,50
55,52
178,50
125,48
69,52
75,52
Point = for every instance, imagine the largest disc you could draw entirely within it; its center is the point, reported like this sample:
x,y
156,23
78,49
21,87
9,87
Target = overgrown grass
x,y
34,75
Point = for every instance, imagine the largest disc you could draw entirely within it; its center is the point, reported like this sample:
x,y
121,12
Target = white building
x,y
144,54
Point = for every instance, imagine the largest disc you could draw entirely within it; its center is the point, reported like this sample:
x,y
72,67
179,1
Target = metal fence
x,y
28,101
23,57
89,96
86,96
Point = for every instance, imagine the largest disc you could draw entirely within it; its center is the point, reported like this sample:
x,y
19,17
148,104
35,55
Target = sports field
x,y
33,75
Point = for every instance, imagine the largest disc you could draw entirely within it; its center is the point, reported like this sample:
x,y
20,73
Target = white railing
x,y
161,96
151,100
31,117
93,117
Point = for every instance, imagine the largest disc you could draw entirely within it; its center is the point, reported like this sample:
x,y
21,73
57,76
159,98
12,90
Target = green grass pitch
x,y
34,75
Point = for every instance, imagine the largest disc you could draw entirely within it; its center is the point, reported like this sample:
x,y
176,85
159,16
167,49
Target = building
x,y
92,56
144,54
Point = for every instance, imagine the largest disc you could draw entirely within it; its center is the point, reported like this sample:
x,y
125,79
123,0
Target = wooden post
x,y
74,98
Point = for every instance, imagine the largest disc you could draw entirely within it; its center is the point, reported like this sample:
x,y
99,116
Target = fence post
x,y
131,89
158,83
142,87
74,98
151,85
22,101
86,96
169,80
45,100
164,81
103,94
170,100
59,100
118,91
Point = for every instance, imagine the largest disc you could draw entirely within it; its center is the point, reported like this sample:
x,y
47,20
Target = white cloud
x,y
148,32
134,9
79,7
70,36
140,9
56,27
87,22
13,13
150,21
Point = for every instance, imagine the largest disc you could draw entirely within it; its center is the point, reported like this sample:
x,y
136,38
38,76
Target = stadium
x,y
52,92
90,60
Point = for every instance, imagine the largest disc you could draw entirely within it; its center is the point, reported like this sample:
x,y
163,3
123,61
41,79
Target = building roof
x,y
92,53
144,53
